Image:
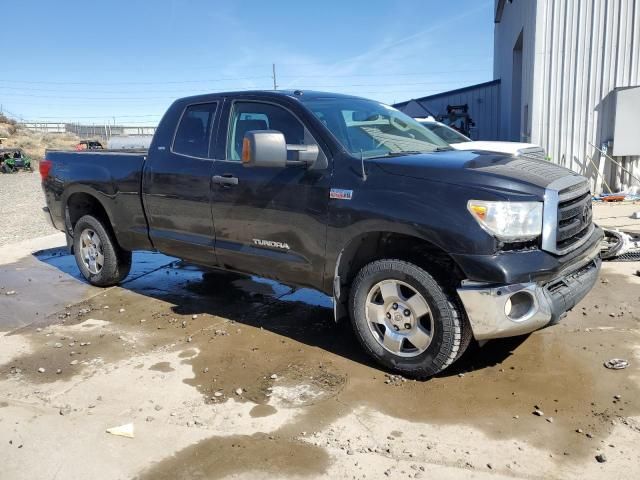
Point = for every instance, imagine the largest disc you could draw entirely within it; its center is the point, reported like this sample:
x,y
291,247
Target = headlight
x,y
508,221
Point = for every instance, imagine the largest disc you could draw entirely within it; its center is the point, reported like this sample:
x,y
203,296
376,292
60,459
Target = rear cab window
x,y
194,130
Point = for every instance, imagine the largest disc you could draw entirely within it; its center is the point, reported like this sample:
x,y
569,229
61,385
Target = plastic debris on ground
x,y
125,430
620,246
616,364
626,195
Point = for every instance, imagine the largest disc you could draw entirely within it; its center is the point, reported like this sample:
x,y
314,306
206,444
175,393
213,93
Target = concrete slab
x,y
617,215
229,376
39,278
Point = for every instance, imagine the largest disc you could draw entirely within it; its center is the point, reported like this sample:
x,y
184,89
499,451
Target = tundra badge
x,y
270,243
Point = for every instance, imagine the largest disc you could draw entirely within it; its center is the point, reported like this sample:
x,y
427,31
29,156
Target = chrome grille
x,y
568,218
574,219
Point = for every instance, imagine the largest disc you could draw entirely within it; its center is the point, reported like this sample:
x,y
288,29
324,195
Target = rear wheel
x,y
405,319
100,259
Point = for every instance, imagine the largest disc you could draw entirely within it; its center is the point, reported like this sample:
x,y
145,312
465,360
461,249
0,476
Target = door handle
x,y
224,180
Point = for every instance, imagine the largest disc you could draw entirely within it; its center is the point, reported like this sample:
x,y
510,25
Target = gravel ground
x,y
21,202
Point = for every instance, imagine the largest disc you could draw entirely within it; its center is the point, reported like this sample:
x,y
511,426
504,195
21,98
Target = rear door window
x,y
194,130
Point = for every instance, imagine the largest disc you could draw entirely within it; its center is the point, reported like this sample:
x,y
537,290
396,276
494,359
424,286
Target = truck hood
x,y
481,170
512,148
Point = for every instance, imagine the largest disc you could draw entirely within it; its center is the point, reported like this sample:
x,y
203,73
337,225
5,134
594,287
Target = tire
x,y
424,340
92,241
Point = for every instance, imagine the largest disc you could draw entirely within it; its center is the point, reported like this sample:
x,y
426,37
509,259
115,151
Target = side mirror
x,y
268,148
264,148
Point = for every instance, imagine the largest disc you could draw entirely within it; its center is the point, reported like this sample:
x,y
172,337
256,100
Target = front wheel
x,y
405,320
99,257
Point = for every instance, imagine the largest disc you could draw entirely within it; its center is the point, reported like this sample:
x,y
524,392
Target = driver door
x,y
268,221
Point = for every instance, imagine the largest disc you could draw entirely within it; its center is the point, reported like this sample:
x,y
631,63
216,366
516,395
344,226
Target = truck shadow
x,y
301,314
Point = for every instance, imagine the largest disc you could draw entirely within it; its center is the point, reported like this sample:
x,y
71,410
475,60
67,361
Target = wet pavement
x,y
227,375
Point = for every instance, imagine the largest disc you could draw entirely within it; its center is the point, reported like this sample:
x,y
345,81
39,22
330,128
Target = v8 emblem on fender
x,y
340,194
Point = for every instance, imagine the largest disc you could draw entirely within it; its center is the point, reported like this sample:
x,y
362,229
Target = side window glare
x,y
248,116
194,130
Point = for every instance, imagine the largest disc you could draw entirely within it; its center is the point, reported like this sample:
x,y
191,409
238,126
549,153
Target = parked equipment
x,y
89,145
13,160
458,118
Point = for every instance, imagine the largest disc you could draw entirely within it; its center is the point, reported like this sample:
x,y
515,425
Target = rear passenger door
x,y
269,221
177,187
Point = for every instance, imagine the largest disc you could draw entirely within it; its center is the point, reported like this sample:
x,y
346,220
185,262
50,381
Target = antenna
x,y
364,173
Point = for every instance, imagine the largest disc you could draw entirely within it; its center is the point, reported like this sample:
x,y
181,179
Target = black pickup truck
x,y
421,246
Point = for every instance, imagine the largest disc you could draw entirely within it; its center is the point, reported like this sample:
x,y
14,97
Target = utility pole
x,y
275,84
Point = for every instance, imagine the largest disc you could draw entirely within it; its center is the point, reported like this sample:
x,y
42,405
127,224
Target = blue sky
x,y
127,61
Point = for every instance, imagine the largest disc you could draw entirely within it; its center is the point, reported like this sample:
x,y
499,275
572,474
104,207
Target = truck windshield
x,y
446,133
373,129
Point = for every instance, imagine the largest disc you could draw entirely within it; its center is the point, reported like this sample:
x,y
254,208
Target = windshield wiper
x,y
398,154
412,152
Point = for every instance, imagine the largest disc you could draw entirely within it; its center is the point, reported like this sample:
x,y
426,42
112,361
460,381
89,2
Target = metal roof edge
x,y
450,92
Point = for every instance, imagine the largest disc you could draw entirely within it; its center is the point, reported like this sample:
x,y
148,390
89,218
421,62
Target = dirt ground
x,y
34,143
228,376
21,202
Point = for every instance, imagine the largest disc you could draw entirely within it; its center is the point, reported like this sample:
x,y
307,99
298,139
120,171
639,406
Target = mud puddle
x,y
495,388
246,339
218,457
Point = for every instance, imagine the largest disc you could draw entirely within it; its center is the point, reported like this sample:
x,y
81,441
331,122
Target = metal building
x,y
483,101
565,68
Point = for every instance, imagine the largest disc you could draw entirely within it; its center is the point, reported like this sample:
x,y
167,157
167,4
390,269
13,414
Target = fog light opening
x,y
519,305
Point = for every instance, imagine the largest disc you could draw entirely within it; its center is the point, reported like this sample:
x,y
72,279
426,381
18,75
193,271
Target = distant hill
x,y
33,143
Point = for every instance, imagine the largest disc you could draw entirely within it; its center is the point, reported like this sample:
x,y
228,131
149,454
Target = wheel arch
x,y
79,203
370,246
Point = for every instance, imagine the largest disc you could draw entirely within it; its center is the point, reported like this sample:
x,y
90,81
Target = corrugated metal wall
x,y
483,101
517,17
584,50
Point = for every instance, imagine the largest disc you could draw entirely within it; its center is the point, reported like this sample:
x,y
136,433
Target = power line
x,y
42,82
88,102
256,66
138,97
101,116
258,77
406,74
138,90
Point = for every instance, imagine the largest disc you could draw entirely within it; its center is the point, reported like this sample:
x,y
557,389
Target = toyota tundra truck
x,y
422,247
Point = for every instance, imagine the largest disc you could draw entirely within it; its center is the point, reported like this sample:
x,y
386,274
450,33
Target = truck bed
x,y
114,177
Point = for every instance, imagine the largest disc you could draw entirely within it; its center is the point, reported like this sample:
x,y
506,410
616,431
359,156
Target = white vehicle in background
x,y
129,142
461,142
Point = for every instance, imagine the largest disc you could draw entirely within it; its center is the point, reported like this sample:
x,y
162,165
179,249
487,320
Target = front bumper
x,y
497,311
